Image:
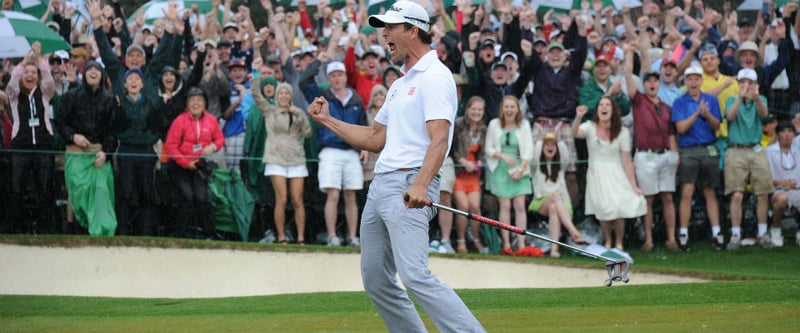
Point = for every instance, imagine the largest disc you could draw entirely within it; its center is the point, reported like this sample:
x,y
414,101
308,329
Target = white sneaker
x,y
777,236
448,247
355,242
734,243
334,241
434,246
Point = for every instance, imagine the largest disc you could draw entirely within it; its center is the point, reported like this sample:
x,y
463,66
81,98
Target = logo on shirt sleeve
x,y
411,91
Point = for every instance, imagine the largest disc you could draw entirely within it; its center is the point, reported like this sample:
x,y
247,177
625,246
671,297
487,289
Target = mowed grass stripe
x,y
741,306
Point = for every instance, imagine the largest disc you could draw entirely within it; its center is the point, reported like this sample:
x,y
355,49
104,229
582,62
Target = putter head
x,y
617,271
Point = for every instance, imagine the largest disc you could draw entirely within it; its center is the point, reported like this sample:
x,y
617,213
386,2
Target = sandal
x,y
577,238
507,251
554,252
647,247
282,242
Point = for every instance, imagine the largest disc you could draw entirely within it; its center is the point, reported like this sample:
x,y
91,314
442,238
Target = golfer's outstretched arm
x,y
363,137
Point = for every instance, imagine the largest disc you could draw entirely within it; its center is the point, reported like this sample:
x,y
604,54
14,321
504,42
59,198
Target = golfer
x,y
412,131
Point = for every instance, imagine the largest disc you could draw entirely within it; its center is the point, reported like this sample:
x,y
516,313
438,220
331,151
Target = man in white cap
x,y
696,116
413,130
745,158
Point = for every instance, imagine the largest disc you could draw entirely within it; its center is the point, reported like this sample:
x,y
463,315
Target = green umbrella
x,y
19,30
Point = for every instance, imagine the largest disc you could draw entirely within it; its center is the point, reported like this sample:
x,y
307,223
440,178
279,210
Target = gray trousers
x,y
395,240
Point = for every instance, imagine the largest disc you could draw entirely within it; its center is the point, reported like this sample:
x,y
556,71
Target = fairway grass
x,y
754,290
731,306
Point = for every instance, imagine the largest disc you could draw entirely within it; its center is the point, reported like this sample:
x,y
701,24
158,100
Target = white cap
x,y
403,12
747,73
693,70
62,54
508,54
335,66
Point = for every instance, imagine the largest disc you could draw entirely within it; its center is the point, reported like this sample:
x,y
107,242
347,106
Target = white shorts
x,y
448,176
294,171
655,173
794,198
340,169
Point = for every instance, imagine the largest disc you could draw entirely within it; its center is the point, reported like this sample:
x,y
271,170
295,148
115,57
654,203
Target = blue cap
x,y
708,49
134,71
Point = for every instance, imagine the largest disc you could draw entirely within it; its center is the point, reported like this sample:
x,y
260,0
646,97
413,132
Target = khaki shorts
x,y
743,164
448,176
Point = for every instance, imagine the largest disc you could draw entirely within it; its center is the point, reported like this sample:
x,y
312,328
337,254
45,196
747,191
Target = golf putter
x,y
617,268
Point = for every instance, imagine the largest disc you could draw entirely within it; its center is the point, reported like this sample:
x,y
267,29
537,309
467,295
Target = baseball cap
x,y
210,42
603,57
693,70
669,61
79,52
52,25
135,47
555,33
403,12
62,54
508,54
539,40
611,37
747,73
488,42
375,50
499,64
230,25
708,49
650,75
134,71
335,66
237,62
555,45
745,22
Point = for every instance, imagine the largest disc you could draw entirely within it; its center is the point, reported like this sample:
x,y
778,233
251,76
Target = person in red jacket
x,y
194,135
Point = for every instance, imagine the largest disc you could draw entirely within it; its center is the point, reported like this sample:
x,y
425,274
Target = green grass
x,y
754,290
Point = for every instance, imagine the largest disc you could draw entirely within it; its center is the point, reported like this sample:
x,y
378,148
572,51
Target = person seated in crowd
x,y
550,197
85,121
697,116
746,159
192,138
612,193
783,156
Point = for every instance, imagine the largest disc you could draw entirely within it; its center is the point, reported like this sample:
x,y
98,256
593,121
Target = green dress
x,y
501,183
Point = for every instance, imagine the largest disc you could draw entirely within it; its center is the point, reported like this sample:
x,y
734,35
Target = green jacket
x,y
589,94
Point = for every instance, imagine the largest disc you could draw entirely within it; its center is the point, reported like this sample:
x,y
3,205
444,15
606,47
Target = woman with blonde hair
x,y
285,156
469,138
509,150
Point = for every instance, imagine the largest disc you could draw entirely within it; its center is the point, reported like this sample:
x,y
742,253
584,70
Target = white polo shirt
x,y
426,92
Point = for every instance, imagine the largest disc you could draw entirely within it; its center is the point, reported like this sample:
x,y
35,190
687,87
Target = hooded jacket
x,y
88,111
187,131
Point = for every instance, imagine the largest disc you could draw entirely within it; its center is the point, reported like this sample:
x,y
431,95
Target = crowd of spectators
x,y
614,113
